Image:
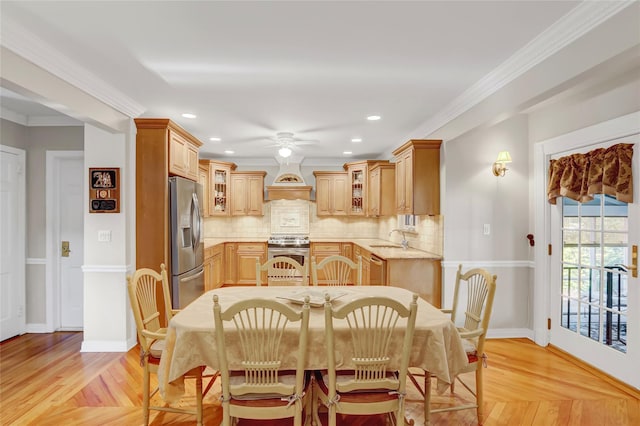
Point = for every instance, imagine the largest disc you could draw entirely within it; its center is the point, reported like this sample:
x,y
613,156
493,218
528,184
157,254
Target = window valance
x,y
601,171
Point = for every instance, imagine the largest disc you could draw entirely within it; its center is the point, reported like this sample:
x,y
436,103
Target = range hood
x,y
289,183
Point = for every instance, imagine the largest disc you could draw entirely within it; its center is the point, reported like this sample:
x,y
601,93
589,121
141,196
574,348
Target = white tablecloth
x,y
191,341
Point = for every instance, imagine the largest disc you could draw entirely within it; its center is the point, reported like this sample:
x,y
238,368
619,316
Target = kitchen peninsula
x,y
383,262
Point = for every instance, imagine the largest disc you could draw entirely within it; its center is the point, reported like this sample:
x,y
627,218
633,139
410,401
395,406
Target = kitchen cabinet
x,y
418,177
203,179
155,153
183,156
382,190
358,190
154,137
240,262
359,252
208,269
219,186
319,252
421,276
230,270
217,266
331,193
247,193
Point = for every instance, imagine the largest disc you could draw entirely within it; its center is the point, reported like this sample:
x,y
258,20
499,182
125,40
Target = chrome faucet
x,y
405,243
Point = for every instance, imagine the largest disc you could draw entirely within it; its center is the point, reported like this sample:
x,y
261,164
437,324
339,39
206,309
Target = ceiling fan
x,y
286,143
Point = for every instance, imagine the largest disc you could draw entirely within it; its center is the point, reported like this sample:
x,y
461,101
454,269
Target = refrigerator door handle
x,y
192,277
195,219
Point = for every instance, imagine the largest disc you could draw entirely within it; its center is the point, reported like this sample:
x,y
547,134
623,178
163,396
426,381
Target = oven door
x,y
300,255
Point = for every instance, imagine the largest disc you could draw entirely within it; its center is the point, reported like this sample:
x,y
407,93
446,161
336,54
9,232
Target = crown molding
x,y
22,42
579,21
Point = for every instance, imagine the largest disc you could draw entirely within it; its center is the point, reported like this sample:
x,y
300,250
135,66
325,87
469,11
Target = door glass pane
x,y
594,284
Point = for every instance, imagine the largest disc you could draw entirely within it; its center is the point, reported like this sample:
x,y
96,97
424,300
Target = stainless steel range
x,y
293,246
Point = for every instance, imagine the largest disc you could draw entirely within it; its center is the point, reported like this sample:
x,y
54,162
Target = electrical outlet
x,y
104,236
486,229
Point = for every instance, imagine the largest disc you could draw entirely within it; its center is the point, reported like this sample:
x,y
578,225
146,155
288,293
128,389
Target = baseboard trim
x,y
38,328
488,264
104,346
631,390
510,333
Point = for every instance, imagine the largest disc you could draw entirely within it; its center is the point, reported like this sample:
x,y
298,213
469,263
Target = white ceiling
x,y
251,69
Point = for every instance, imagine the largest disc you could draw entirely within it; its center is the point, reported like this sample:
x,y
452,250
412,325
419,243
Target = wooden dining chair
x,y
472,305
282,270
254,340
379,341
148,290
337,270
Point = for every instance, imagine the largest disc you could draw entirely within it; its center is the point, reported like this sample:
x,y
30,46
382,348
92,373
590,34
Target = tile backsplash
x,y
428,234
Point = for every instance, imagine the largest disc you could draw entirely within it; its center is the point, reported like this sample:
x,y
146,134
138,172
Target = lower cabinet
x,y
213,267
421,276
240,262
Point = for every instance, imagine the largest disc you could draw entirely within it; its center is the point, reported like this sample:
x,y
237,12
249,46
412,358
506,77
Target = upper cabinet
x,y
359,193
247,193
219,175
331,193
418,177
382,190
183,155
203,179
358,176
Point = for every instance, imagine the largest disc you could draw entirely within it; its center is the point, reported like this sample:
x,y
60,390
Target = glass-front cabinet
x,y
358,186
219,178
357,180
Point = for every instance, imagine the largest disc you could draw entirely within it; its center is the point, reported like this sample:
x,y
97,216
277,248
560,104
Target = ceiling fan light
x,y
284,152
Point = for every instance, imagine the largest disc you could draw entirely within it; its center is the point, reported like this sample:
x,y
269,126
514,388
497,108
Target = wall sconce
x,y
499,167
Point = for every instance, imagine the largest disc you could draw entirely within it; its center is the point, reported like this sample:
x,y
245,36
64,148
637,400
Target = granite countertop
x,y
370,244
387,253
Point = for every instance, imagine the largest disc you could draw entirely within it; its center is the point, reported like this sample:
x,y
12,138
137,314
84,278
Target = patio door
x,y
595,298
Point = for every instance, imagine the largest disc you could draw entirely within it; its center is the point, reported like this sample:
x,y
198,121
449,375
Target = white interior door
x,y
595,300
12,242
71,219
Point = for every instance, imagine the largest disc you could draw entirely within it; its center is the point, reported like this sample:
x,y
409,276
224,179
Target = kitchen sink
x,y
385,245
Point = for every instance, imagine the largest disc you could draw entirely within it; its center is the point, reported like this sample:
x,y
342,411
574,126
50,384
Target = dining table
x,y
191,341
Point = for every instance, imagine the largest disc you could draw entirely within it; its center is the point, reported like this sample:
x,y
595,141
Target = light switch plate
x,y
104,236
486,229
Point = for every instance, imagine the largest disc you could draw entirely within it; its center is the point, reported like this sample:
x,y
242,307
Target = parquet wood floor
x,y
45,380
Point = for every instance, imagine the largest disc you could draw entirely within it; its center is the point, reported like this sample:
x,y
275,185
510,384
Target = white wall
x,y
475,197
106,308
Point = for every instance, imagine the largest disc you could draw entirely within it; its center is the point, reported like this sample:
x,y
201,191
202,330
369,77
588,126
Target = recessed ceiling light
x,y
228,151
373,117
347,152
188,115
356,140
215,139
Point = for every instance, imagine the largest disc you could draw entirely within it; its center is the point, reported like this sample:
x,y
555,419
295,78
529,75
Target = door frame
x,y
52,281
620,127
21,242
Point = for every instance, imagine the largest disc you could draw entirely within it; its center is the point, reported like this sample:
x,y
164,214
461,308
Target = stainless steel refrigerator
x,y
187,241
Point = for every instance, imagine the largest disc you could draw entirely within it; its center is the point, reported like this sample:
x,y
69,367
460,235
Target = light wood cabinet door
x,y
331,193
246,256
219,184
203,179
247,193
382,190
319,252
183,157
217,265
418,177
208,269
230,270
357,189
